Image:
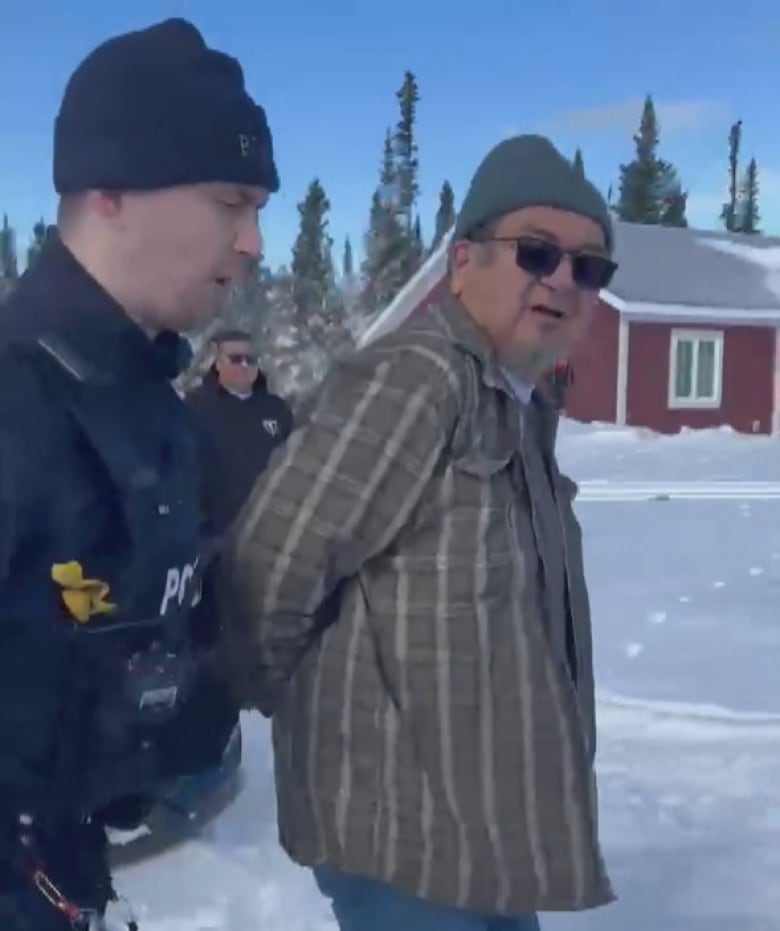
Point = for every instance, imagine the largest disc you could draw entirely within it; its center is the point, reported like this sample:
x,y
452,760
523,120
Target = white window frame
x,y
696,337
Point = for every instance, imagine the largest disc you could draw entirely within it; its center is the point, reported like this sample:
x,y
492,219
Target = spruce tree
x,y
9,266
650,191
350,289
319,305
578,163
393,246
405,144
407,169
672,199
385,247
372,252
347,263
637,200
389,186
40,235
729,214
418,245
673,212
312,264
748,213
445,215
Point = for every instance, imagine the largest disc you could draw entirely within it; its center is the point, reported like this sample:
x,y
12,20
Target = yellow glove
x,y
84,598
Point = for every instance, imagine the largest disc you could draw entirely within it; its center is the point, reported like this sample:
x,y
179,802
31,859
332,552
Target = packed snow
x,y
685,593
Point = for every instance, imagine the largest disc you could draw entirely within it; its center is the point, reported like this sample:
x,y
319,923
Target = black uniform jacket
x,y
98,503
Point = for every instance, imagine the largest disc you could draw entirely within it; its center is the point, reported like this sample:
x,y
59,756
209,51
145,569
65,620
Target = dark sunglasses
x,y
541,258
242,358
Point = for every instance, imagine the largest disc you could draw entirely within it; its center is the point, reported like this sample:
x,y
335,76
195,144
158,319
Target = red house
x,y
688,334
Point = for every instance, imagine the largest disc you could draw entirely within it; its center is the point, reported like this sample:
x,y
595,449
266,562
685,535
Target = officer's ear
x,y
106,204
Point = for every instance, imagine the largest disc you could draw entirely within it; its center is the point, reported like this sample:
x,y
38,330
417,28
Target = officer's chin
x,y
195,323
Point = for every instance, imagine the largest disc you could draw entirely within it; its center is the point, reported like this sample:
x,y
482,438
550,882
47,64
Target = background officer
x,y
161,161
241,422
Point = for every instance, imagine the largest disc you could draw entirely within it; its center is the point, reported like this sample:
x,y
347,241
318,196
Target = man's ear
x,y
457,262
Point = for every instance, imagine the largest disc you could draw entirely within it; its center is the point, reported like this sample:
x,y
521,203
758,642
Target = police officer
x,y
161,161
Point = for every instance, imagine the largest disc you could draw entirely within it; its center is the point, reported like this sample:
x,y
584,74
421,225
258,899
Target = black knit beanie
x,y
528,171
157,108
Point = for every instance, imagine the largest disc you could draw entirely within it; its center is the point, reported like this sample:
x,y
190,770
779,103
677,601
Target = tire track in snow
x,y
595,490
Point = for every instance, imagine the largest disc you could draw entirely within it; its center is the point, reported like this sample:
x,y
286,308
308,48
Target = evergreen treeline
x,y
305,314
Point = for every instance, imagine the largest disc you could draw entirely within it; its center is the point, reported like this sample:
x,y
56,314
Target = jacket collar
x,y
74,318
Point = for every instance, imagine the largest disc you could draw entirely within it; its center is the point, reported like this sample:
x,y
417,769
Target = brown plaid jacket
x,y
431,737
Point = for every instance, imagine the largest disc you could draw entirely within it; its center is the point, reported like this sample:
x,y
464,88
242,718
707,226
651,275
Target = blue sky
x,y
327,74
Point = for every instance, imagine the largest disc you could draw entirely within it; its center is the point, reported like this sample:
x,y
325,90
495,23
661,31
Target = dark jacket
x,y
237,437
98,522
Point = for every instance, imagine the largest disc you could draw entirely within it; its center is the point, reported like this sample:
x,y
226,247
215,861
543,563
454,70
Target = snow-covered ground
x,y
686,607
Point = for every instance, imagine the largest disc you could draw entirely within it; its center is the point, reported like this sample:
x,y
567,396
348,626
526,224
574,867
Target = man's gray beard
x,y
528,363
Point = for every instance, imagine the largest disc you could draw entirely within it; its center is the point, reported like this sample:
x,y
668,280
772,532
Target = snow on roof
x,y
765,255
425,279
691,313
695,268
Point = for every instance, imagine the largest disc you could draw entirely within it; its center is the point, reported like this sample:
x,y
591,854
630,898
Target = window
x,y
696,369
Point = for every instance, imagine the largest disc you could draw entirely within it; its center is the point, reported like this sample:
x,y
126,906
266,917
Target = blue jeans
x,y
361,904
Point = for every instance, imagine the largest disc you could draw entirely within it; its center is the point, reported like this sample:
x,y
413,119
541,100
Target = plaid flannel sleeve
x,y
336,495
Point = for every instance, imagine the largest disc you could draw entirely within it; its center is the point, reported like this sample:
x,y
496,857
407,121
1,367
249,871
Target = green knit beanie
x,y
528,171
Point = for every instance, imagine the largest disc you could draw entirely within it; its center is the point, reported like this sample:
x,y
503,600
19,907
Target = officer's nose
x,y
250,240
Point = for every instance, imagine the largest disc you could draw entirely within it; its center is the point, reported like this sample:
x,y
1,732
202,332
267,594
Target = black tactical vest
x,y
121,501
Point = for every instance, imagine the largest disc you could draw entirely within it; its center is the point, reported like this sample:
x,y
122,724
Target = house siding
x,y
747,388
776,411
593,396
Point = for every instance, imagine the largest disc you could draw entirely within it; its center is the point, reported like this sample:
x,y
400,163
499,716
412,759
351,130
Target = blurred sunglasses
x,y
540,258
242,358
